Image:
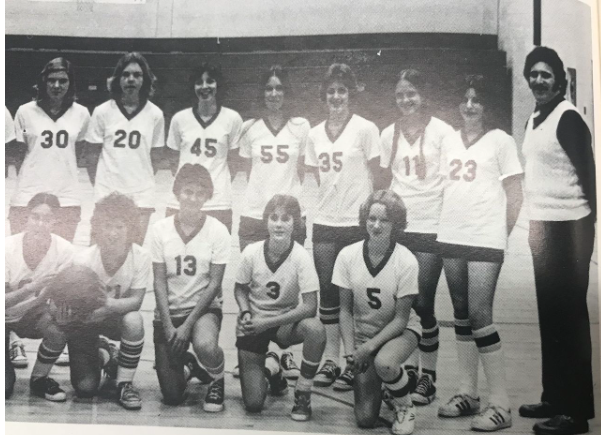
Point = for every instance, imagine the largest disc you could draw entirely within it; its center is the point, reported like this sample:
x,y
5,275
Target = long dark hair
x,y
56,65
148,85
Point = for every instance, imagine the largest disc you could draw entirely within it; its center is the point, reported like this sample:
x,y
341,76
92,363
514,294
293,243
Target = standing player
x,y
11,148
207,134
124,270
378,280
482,200
124,138
276,290
33,258
189,252
411,148
343,153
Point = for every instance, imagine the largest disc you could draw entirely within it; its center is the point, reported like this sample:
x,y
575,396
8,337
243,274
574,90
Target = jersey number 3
x,y
274,290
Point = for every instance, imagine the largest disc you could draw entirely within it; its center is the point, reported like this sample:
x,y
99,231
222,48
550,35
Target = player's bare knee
x,y
313,329
365,420
253,406
85,388
386,366
173,398
206,346
133,324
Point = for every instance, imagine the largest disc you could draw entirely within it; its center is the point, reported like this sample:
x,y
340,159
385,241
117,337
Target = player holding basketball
x,y
189,252
276,290
33,258
378,281
343,153
207,134
411,148
482,200
125,136
124,270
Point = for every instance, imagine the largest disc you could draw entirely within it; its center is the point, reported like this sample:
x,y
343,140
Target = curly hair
x,y
148,84
56,65
291,205
551,58
395,210
193,174
116,207
339,72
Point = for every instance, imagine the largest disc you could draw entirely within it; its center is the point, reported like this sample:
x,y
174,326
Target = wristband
x,y
242,313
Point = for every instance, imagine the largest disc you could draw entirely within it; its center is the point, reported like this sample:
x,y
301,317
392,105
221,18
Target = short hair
x,y
551,58
422,83
149,79
56,65
193,174
44,198
395,210
214,71
339,72
116,207
292,207
478,83
274,71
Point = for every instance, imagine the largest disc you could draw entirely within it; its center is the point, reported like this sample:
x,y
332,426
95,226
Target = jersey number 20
x,y
133,139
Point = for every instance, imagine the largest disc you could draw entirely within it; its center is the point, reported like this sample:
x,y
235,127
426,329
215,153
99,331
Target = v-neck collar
x,y
275,266
542,111
106,272
50,114
202,123
33,269
186,238
466,143
419,134
375,270
132,115
335,138
274,131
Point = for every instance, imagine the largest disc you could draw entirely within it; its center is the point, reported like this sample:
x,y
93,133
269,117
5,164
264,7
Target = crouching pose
x,y
123,269
189,252
378,281
276,290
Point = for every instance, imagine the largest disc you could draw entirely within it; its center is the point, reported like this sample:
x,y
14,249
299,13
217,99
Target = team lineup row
x,y
461,195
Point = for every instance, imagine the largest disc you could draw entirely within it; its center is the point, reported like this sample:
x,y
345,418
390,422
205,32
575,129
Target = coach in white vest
x,y
560,194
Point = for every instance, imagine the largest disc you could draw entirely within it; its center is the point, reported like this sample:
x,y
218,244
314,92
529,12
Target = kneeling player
x,y
124,269
378,281
189,252
272,278
33,258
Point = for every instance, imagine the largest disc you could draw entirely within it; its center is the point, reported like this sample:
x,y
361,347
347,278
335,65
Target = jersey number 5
x,y
189,268
210,149
374,300
274,290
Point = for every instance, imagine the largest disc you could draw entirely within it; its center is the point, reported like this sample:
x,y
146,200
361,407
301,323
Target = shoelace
x,y
493,414
51,385
17,350
329,368
216,391
401,413
302,401
288,362
422,386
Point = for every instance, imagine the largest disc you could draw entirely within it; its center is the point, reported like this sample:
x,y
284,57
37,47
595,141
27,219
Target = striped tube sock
x,y
45,360
129,357
468,358
216,372
330,318
428,345
307,373
489,345
399,389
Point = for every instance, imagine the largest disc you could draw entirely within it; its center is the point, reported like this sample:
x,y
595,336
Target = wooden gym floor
x,y
515,315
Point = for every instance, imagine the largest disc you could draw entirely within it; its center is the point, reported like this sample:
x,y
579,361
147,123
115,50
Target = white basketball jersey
x,y
135,273
343,169
275,156
18,273
188,260
208,144
474,211
375,288
422,196
276,289
50,164
125,165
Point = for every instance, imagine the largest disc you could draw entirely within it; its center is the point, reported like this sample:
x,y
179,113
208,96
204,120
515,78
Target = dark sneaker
x,y
193,370
110,368
425,391
47,388
537,410
346,380
413,377
277,383
301,411
387,398
215,396
561,425
327,374
129,397
291,370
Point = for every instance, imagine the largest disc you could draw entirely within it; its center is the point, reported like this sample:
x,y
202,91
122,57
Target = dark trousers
x,y
561,253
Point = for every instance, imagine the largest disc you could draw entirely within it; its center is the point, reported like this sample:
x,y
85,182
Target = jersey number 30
x,y
61,139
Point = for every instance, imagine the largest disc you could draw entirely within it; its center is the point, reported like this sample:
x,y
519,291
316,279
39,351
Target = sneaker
x,y
291,370
215,396
425,391
277,383
110,368
561,425
346,380
48,389
301,411
193,370
236,372
412,383
387,398
460,405
327,374
17,355
129,397
404,420
493,418
63,359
